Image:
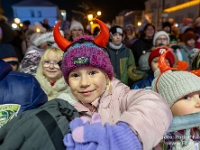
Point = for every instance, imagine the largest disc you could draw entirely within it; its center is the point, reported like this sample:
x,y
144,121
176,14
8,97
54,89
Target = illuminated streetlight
x,y
21,24
90,17
98,13
139,23
14,25
17,20
37,30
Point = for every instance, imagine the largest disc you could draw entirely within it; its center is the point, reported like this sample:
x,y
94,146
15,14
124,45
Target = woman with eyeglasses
x,y
49,74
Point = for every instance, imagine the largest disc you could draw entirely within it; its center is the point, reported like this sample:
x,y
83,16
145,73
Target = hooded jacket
x,y
20,88
146,112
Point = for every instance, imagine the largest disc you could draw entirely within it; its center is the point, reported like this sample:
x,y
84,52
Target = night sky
x,y
109,8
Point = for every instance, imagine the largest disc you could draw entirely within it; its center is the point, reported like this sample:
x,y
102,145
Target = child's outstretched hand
x,y
115,137
70,143
93,132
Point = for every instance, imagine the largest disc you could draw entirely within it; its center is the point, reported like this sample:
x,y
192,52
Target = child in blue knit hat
x,y
126,120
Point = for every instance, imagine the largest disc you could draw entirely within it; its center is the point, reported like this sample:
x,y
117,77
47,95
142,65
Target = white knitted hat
x,y
157,34
76,24
173,85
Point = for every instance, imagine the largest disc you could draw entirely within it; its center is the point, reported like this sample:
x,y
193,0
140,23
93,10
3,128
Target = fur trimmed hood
x,y
52,92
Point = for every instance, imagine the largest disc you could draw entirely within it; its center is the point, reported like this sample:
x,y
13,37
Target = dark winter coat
x,y
39,129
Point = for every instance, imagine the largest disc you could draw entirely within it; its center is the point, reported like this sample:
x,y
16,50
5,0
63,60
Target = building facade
x,y
161,10
128,17
36,11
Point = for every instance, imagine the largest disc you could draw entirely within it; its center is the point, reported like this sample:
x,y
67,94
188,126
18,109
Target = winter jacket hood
x,y
20,88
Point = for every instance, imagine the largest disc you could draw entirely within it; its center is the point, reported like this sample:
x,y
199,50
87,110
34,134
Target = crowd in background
x,y
133,52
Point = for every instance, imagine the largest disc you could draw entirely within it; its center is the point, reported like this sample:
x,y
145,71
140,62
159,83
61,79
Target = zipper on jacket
x,y
116,64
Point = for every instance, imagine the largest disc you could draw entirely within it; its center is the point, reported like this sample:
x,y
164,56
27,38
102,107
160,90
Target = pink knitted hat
x,y
85,51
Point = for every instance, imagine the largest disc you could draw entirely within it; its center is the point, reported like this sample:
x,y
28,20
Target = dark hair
x,y
149,24
142,33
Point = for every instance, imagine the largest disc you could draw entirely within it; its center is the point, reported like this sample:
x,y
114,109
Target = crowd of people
x,y
115,89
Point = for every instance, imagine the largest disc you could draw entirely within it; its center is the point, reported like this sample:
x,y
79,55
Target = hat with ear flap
x,y
85,51
174,83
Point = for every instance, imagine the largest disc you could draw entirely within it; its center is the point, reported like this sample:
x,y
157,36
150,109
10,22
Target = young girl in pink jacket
x,y
130,119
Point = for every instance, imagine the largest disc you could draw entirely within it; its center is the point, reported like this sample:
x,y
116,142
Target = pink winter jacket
x,y
145,111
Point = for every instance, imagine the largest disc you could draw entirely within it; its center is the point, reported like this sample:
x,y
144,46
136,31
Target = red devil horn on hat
x,y
102,38
162,63
60,40
196,72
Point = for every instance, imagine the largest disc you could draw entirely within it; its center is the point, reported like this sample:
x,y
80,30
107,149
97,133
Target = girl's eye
x,y
155,61
74,75
93,72
186,97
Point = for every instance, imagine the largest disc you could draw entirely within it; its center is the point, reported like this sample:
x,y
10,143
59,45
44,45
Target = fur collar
x,y
52,92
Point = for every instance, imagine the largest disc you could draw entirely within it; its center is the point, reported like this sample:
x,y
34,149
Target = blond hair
x,y
59,54
45,56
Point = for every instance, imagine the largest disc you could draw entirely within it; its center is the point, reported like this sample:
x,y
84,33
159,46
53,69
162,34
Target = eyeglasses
x,y
161,39
47,64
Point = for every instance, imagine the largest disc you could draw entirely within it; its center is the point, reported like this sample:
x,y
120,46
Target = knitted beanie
x,y
158,51
75,24
143,61
8,53
188,36
116,29
159,33
84,52
167,24
173,85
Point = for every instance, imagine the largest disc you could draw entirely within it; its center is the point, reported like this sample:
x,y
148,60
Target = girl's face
x,y
191,42
87,83
51,69
187,105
